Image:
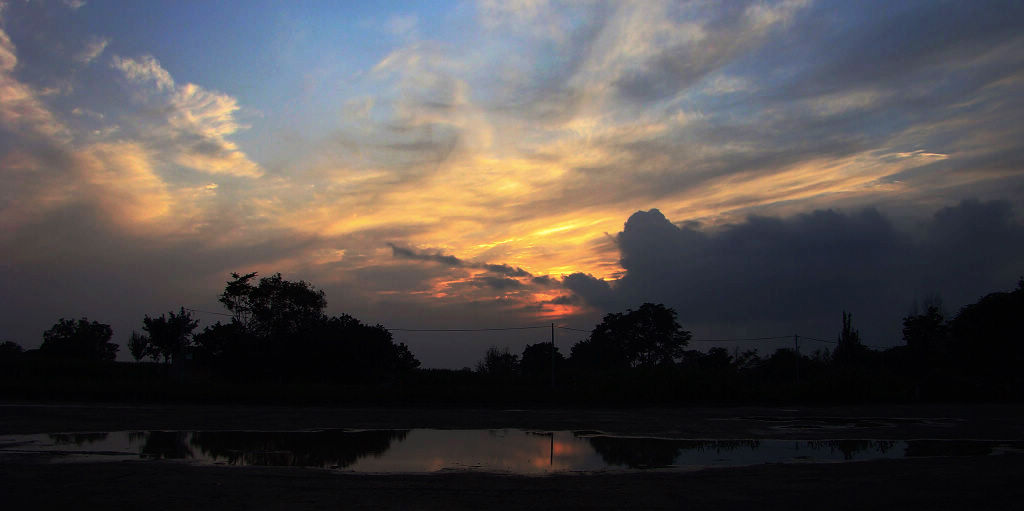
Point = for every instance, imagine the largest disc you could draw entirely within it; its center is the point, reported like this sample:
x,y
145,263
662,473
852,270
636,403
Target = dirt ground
x,y
989,482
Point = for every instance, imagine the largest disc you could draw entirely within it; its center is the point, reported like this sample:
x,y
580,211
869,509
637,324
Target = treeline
x,y
642,355
279,345
278,341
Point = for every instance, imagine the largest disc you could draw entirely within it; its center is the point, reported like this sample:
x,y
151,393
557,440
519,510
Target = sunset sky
x,y
459,164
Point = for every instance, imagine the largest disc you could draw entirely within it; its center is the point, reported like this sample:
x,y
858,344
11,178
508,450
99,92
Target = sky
x,y
759,166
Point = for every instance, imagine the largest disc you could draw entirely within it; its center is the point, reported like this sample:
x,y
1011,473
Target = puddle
x,y
511,451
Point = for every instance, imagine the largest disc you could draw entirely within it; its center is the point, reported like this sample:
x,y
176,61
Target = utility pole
x,y
796,350
552,356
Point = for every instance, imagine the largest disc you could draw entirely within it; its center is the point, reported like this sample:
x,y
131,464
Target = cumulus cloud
x,y
769,275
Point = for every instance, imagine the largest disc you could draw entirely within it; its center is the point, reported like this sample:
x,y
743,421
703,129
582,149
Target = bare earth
x,y
989,482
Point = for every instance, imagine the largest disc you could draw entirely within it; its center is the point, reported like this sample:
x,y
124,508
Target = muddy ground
x,y
989,482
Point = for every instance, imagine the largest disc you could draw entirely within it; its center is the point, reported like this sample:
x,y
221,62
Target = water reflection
x,y
660,453
163,445
77,438
324,449
497,450
851,448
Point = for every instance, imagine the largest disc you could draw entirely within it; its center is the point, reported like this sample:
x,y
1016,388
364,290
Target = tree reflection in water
x,y
163,445
329,448
506,450
77,438
921,448
658,452
850,448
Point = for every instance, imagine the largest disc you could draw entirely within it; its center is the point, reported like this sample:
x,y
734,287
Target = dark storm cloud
x,y
799,273
565,300
500,283
505,269
408,253
546,281
450,260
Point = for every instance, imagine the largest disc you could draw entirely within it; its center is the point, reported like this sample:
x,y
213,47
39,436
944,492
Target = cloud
x,y
654,50
92,50
565,300
145,70
437,257
450,260
403,25
499,283
770,275
20,107
532,146
124,184
50,168
525,136
197,120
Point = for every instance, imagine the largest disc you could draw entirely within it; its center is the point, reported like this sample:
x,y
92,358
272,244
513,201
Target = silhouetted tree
x,y
79,340
279,330
170,333
849,348
536,361
9,351
273,306
989,341
927,338
354,351
746,360
499,364
138,346
646,337
227,348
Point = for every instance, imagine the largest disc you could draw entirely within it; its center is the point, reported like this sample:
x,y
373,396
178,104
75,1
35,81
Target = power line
x,y
818,340
837,342
501,329
207,312
464,329
573,329
777,337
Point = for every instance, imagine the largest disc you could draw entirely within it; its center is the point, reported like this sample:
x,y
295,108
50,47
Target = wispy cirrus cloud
x,y
20,105
92,50
197,121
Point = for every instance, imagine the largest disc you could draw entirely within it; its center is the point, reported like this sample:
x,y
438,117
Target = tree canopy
x,y
168,335
273,306
79,340
279,330
646,337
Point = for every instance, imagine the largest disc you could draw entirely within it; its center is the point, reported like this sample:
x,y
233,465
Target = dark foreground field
x,y
987,482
